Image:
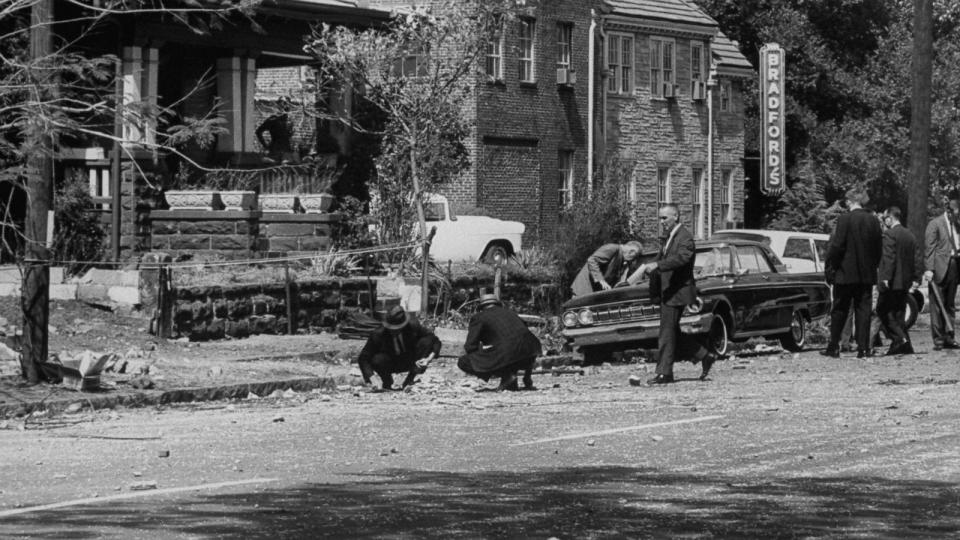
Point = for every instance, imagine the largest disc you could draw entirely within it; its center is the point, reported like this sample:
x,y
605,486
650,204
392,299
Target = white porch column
x,y
229,88
132,69
149,89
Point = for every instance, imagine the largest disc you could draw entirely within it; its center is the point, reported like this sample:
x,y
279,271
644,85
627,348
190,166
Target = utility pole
x,y
35,296
920,116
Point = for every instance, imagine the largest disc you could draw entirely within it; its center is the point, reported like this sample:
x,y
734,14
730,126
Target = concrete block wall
x,y
97,285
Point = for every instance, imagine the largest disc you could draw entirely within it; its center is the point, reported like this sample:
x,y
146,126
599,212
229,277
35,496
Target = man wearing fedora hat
x,y
499,344
402,345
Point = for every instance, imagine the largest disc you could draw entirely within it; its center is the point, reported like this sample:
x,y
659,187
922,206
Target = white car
x,y
465,238
803,252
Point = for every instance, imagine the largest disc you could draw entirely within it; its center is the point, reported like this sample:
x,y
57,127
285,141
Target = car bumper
x,y
587,336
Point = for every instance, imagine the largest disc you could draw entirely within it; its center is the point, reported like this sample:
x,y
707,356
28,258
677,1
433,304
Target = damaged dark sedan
x,y
742,292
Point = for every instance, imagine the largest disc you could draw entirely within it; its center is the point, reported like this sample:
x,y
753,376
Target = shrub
x,y
78,234
606,217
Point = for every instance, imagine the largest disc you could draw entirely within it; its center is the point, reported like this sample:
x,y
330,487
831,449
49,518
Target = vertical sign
x,y
772,136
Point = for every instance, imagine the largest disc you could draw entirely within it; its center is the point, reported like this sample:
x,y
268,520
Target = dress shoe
x,y
900,348
832,353
706,364
951,345
528,382
864,354
661,379
508,383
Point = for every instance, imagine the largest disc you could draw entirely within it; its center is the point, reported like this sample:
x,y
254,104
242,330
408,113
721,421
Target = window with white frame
x,y
493,65
99,178
698,67
416,62
725,91
565,167
663,185
620,63
726,195
526,49
696,201
564,44
662,65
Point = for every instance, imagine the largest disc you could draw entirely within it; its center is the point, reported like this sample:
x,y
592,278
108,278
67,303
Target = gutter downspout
x,y
711,84
591,51
603,100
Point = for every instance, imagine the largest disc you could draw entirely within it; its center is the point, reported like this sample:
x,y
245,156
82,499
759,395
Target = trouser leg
x,y
667,339
838,314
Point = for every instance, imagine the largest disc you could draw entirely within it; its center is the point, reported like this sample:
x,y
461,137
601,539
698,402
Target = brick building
x,y
578,92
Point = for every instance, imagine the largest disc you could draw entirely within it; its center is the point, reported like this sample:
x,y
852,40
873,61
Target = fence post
x,y
425,276
291,322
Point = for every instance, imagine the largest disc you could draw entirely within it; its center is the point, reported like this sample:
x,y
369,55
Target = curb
x,y
147,398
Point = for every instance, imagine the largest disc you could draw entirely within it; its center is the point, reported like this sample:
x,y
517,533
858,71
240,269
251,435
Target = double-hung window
x,y
696,200
620,63
663,185
526,49
564,45
662,67
493,65
725,90
565,166
726,195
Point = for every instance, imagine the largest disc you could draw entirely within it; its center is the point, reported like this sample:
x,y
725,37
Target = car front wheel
x,y
797,336
718,341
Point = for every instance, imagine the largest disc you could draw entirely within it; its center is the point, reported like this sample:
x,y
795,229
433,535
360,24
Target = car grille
x,y
617,314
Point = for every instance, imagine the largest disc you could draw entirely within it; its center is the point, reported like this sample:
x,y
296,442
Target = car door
x,y
757,274
820,248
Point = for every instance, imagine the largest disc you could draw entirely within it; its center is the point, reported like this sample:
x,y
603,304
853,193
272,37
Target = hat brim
x,y
397,326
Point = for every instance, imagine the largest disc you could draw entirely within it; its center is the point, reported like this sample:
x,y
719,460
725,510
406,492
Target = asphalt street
x,y
773,446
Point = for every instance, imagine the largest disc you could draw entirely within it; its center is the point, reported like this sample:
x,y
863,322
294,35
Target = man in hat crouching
x,y
402,345
499,344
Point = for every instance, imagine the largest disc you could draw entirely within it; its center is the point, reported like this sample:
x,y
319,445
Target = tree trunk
x,y
34,300
920,117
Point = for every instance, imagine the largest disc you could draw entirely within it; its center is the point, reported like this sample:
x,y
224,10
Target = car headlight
x,y
569,319
696,306
585,316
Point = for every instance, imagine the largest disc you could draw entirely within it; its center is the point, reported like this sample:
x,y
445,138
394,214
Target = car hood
x,y
617,294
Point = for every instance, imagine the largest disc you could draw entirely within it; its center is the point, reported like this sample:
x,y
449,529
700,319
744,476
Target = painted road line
x,y
137,495
620,430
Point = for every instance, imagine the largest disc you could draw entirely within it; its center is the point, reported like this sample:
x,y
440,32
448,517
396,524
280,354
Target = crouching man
x,y
401,346
499,344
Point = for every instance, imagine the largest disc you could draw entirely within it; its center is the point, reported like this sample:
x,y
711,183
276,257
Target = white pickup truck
x,y
465,238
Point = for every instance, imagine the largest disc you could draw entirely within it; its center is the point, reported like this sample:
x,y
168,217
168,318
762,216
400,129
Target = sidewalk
x,y
184,372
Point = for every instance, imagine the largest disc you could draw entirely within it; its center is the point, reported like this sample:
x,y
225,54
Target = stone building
x,y
643,92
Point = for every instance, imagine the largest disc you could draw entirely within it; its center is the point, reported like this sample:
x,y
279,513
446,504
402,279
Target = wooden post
x,y
425,272
35,299
116,183
497,275
291,322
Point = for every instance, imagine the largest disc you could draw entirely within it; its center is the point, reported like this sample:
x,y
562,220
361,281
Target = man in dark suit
x,y
898,274
678,289
942,249
498,344
402,345
851,267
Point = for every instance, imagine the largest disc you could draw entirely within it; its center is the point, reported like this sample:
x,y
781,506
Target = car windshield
x,y
433,211
712,262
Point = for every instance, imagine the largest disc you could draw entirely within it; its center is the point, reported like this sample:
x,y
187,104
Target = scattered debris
x,y
277,419
591,442
163,453
656,438
74,407
143,486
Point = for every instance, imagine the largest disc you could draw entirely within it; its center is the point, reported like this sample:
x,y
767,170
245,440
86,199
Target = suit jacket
x,y
938,247
498,338
898,262
855,246
606,263
417,341
675,268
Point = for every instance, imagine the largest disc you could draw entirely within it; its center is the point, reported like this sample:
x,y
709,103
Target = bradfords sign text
x,y
772,138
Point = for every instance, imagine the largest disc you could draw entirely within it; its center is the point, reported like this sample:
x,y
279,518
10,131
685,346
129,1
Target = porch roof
x,y
730,60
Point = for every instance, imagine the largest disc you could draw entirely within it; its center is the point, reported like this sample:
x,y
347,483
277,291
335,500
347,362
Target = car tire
x,y
796,338
912,310
718,338
493,251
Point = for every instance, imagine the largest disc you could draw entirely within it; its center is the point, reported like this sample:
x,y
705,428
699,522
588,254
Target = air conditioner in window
x,y
566,76
669,90
698,89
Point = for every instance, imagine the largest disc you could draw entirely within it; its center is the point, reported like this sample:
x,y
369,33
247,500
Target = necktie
x,y
398,343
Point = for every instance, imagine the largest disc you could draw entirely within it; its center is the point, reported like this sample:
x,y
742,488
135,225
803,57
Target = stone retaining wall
x,y
214,312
